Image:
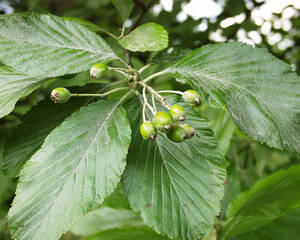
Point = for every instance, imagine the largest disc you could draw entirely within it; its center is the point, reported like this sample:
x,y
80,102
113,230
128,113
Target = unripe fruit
x,y
190,131
98,70
162,121
60,95
177,113
177,134
192,97
148,131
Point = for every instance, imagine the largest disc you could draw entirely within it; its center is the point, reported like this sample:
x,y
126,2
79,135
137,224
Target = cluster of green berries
x,y
172,123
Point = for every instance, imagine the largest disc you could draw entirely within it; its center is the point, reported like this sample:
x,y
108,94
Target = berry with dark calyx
x,y
190,131
162,121
177,112
60,95
98,70
192,97
148,131
177,134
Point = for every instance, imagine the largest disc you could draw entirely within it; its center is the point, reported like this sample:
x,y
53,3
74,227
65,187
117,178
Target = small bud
x,y
177,134
148,131
60,95
98,70
162,121
190,131
192,97
177,112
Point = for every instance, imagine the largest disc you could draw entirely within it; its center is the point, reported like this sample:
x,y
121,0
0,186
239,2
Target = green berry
x,y
162,121
177,134
192,97
60,95
177,112
98,70
148,131
190,131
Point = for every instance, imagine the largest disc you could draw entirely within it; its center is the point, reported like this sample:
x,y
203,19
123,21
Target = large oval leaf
x,y
261,92
48,46
79,164
147,37
176,186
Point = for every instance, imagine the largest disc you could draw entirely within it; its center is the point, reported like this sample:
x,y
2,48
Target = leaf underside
x,y
79,164
147,37
176,186
261,92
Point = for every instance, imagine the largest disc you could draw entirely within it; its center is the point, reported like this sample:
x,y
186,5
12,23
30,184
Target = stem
x,y
171,91
153,103
154,76
98,94
144,68
125,63
157,95
123,31
146,101
119,70
109,34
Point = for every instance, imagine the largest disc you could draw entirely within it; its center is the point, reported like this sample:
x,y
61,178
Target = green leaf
x,y
79,164
261,92
14,85
106,218
129,233
89,25
147,37
176,186
270,198
286,227
124,8
169,55
48,46
29,136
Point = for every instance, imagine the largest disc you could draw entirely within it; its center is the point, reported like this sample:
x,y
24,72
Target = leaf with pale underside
x,y
177,187
147,37
14,85
48,46
79,164
260,91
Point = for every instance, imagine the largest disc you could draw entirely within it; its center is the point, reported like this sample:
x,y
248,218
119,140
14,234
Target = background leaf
x,y
48,46
286,227
176,186
169,55
14,85
261,92
124,8
106,218
79,164
270,198
129,233
147,37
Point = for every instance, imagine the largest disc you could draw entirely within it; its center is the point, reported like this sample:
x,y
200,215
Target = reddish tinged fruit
x,y
60,95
